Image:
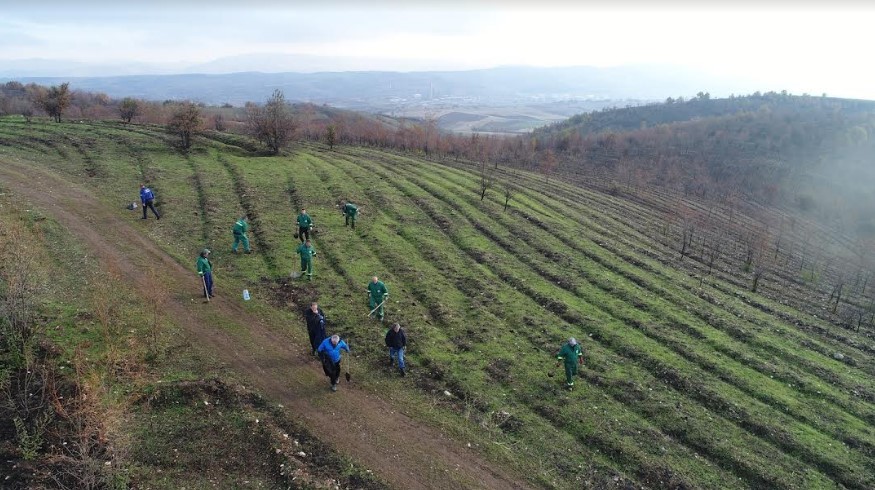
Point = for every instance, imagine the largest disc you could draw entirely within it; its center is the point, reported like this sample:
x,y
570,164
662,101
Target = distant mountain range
x,y
382,90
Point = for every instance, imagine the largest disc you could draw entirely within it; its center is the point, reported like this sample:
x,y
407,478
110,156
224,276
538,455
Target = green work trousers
x,y
241,238
570,373
373,304
307,266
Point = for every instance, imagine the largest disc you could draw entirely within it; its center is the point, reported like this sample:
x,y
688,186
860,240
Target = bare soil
x,y
399,449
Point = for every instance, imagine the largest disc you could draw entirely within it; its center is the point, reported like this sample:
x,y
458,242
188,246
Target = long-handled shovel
x,y
379,305
346,374
206,293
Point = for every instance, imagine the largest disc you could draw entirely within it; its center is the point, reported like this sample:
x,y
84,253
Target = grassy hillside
x,y
812,154
691,380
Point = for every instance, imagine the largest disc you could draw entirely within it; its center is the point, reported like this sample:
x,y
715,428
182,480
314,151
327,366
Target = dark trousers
x,y
331,368
316,337
208,280
350,218
149,204
302,232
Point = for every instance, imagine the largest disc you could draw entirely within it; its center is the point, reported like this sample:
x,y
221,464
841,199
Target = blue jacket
x,y
333,351
146,194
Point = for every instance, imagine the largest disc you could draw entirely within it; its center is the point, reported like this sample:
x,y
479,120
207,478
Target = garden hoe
x,y
207,294
348,362
379,305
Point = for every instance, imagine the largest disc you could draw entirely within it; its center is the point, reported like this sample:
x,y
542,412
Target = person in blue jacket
x,y
329,353
147,197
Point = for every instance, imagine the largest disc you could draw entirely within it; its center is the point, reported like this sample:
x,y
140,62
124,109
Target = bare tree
x,y
713,256
272,124
184,122
487,177
219,122
548,164
23,107
837,292
128,109
55,100
508,193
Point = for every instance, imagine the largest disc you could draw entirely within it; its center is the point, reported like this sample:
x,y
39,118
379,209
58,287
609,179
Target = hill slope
x,y
815,154
691,380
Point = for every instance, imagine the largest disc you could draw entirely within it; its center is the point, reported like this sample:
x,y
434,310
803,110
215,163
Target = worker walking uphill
x,y
329,353
305,224
315,325
570,353
147,197
349,211
241,226
306,251
377,294
396,341
205,270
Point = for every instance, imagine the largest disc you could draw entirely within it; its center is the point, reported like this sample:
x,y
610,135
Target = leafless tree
x,y
184,122
272,124
487,177
548,164
508,192
837,292
55,100
219,122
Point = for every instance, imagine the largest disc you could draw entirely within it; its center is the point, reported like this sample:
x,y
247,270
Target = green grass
x,y
102,337
689,381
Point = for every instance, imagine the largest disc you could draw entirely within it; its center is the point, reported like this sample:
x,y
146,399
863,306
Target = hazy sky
x,y
799,46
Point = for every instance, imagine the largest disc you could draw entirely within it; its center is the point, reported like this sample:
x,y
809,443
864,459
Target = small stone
x,y
301,454
838,356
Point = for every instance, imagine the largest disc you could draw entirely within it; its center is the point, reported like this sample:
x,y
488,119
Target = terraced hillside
x,y
690,380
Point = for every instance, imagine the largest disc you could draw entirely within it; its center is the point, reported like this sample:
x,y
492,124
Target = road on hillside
x,y
401,450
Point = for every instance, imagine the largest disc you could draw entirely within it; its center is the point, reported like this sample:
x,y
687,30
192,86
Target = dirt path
x,y
398,448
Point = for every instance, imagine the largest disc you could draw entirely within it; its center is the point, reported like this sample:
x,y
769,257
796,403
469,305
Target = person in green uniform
x,y
570,353
241,226
349,211
377,294
305,224
306,251
205,270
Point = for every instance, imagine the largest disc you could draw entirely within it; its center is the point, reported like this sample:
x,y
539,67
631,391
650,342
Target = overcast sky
x,y
802,47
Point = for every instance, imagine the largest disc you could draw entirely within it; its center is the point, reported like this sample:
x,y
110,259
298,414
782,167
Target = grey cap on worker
x,y
572,341
205,251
